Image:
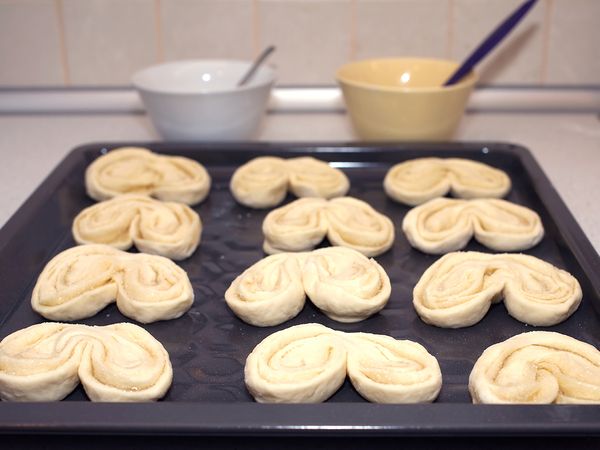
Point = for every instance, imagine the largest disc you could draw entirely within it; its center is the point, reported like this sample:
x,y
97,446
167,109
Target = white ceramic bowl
x,y
199,99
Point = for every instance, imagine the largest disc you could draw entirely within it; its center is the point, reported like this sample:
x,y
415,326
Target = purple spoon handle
x,y
490,42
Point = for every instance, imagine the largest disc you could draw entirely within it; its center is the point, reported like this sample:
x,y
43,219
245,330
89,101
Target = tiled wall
x,y
102,42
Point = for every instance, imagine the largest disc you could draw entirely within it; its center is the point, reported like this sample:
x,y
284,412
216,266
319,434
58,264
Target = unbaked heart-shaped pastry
x,y
269,292
387,370
296,227
114,363
346,221
160,228
458,289
344,284
537,367
136,170
418,180
82,280
263,182
311,177
308,364
341,282
443,225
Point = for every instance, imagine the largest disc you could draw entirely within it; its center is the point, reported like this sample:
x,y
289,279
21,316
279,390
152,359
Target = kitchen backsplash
x,y
102,42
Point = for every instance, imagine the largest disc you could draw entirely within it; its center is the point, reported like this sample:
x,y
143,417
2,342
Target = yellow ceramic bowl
x,y
403,98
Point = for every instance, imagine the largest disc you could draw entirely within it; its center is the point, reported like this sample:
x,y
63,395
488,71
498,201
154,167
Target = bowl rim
x,y
469,80
248,87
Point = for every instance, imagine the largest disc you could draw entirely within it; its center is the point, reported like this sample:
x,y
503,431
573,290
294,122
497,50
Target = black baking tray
x,y
208,345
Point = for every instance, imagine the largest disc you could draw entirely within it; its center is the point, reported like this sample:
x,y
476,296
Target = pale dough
x,y
295,227
81,281
160,228
346,221
263,182
341,282
310,177
344,284
135,170
260,183
418,180
308,364
458,289
387,370
114,363
443,225
269,292
538,367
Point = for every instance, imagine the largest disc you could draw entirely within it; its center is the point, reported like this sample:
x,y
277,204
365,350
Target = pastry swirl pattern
x,y
418,180
81,281
269,292
443,225
135,170
263,182
459,288
160,228
308,364
344,284
345,221
537,367
114,363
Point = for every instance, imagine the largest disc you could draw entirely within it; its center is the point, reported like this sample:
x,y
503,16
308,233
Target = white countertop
x,y
567,146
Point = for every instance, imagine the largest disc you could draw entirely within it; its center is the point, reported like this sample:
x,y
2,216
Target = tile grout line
x,y
255,28
548,13
353,50
64,58
450,30
160,51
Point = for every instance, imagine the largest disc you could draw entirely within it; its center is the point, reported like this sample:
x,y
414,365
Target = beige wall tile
x,y
517,60
108,40
207,29
574,43
313,38
401,28
30,44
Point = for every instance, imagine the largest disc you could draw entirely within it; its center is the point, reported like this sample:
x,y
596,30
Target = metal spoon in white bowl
x,y
266,52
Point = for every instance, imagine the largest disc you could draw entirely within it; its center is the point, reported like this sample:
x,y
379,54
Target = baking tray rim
x,y
327,419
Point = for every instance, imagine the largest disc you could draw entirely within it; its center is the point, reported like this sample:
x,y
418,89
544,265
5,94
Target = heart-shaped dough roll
x,y
443,225
386,370
344,284
269,292
308,364
260,183
301,364
114,363
159,228
458,289
81,281
537,367
295,227
346,221
135,170
263,182
418,180
310,177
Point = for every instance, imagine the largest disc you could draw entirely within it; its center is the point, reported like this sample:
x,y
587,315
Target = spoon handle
x,y
266,52
490,42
